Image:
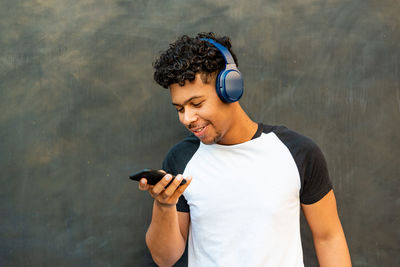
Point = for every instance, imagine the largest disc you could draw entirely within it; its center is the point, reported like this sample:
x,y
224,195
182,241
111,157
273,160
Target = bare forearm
x,y
329,240
332,251
163,237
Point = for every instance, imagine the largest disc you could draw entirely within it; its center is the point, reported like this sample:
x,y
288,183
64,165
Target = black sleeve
x,y
316,182
167,166
175,163
311,164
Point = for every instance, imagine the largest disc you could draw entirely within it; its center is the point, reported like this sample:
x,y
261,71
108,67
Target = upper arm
x,y
184,221
322,217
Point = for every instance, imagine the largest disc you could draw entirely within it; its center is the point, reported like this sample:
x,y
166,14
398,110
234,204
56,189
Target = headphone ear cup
x,y
229,85
218,86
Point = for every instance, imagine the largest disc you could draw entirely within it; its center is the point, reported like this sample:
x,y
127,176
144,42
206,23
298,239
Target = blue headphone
x,y
229,82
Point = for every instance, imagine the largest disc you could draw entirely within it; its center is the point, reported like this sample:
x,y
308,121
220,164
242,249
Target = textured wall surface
x,y
79,111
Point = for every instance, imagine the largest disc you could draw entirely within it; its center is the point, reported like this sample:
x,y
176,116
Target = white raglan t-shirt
x,y
244,200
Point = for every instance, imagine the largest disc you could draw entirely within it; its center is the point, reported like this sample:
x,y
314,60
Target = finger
x,y
160,186
162,171
179,191
143,184
169,191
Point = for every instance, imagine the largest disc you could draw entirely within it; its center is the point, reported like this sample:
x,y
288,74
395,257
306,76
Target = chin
x,y
211,140
207,142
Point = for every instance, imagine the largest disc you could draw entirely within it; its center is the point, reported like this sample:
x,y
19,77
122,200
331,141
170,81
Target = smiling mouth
x,y
199,130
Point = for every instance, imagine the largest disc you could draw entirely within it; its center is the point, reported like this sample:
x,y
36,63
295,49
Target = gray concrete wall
x,y
79,111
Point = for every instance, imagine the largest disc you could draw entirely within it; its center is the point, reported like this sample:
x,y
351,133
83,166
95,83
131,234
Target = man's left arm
x,y
329,239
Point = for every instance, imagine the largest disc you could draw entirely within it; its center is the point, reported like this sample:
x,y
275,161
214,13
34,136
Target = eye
x,y
197,104
180,110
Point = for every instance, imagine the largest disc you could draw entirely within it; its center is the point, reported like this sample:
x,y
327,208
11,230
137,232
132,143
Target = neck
x,y
242,128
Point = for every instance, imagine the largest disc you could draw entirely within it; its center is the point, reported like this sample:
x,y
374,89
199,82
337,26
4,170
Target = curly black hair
x,y
189,56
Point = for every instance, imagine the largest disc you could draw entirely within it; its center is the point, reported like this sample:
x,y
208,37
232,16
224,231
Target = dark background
x,y
79,111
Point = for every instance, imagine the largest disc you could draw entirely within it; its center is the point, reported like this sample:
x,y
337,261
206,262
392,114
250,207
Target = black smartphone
x,y
152,176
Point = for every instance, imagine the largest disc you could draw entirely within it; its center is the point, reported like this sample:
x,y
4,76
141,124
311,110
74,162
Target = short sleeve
x,y
175,162
316,177
310,162
167,166
182,205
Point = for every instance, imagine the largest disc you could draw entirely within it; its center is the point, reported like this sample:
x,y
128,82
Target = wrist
x,y
164,206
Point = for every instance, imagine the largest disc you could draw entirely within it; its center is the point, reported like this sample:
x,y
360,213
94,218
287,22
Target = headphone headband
x,y
225,52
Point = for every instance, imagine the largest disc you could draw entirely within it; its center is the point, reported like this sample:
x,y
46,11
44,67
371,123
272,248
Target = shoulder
x,y
186,145
310,161
179,155
292,139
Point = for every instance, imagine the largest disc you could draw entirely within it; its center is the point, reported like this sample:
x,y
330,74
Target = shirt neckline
x,y
249,142
258,132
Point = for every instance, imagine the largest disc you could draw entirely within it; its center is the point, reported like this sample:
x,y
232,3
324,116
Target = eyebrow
x,y
187,101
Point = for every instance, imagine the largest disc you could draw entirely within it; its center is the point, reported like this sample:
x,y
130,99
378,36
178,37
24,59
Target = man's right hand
x,y
166,196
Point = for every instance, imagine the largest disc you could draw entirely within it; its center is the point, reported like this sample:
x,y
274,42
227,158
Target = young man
x,y
242,206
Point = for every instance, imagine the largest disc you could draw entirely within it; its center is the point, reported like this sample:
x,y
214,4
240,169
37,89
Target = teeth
x,y
199,130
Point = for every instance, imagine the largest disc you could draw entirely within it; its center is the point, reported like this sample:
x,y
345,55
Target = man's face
x,y
201,110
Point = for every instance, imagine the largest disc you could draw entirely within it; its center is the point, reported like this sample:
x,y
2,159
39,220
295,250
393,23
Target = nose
x,y
188,116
